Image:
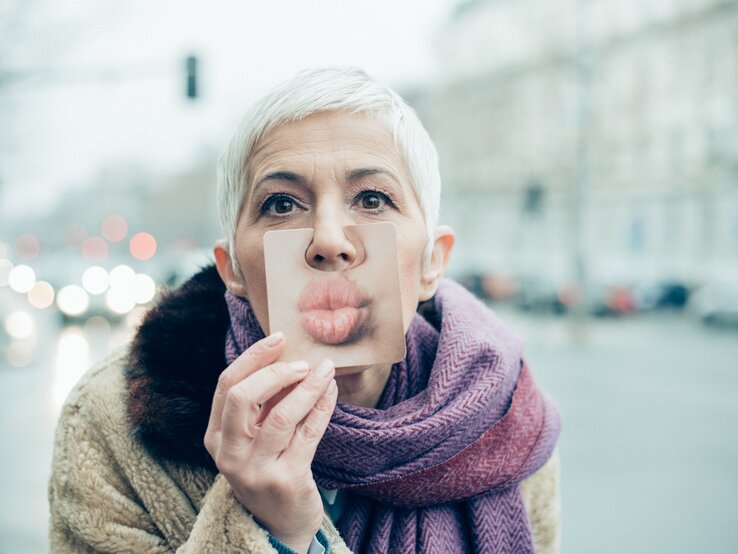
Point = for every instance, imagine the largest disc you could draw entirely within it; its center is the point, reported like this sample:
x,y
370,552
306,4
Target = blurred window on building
x,y
191,66
637,235
534,198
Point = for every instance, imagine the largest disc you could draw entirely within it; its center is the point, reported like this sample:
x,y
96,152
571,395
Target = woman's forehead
x,y
347,141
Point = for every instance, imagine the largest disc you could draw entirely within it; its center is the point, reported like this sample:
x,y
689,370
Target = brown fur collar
x,y
173,368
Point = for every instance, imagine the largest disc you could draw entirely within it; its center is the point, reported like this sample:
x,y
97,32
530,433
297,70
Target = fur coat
x,y
130,471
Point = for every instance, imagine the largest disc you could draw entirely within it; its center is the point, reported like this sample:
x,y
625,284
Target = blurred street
x,y
31,398
649,443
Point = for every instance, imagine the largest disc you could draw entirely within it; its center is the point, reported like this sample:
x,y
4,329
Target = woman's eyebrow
x,y
279,176
352,175
366,171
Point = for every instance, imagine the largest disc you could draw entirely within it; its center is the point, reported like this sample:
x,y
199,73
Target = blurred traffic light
x,y
191,63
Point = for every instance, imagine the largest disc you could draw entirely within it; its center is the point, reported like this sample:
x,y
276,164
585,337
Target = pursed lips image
x,y
333,310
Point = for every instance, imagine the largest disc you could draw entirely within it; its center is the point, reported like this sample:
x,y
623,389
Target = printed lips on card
x,y
352,316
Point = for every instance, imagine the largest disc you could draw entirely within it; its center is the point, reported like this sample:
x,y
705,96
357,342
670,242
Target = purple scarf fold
x,y
435,466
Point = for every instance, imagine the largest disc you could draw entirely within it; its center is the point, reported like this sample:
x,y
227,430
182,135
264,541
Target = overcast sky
x,y
116,95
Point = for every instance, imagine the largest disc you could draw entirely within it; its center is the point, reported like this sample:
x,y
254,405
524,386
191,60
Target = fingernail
x,y
274,339
324,369
299,366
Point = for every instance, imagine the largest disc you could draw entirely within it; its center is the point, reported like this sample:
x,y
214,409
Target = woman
x,y
451,449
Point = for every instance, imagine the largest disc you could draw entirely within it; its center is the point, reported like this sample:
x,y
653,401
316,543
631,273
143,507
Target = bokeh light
x,y
144,289
19,324
6,267
122,277
27,246
97,325
120,300
19,353
142,246
95,249
41,296
95,280
22,278
74,235
114,228
73,300
72,360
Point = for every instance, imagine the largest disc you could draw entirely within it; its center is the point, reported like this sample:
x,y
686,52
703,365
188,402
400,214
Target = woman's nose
x,y
332,248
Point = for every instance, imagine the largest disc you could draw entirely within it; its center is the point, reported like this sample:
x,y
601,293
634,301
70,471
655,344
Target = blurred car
x,y
544,296
499,287
486,286
96,306
660,295
472,282
186,264
608,300
716,303
618,299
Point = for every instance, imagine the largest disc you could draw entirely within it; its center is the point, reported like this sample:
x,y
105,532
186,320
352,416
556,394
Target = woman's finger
x,y
279,426
312,428
258,355
242,404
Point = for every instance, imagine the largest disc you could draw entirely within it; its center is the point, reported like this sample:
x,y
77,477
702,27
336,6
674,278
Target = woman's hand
x,y
263,442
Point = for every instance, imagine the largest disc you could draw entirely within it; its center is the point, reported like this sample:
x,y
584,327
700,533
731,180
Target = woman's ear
x,y
442,245
227,272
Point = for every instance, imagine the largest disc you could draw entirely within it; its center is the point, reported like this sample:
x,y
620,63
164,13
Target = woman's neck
x,y
363,387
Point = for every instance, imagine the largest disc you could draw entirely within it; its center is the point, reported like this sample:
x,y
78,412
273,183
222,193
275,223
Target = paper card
x,y
352,316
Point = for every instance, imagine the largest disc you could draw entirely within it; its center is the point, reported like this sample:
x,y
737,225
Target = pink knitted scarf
x,y
435,467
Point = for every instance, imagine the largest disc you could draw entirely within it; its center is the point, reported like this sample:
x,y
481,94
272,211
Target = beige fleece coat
x,y
107,494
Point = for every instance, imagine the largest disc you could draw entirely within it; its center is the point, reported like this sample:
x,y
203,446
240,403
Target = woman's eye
x,y
372,200
279,204
283,206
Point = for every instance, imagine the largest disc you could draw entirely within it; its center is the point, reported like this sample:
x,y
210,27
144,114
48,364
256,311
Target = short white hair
x,y
324,90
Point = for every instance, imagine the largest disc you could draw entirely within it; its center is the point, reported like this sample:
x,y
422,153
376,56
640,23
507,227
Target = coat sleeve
x,y
543,503
107,495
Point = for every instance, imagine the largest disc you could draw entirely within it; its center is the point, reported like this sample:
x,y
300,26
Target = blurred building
x,y
602,133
